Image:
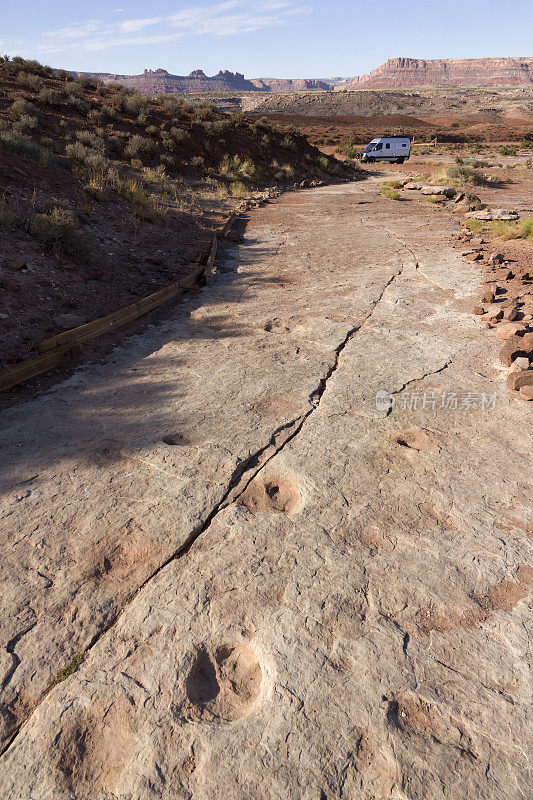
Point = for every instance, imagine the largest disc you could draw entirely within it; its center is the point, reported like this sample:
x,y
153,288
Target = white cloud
x,y
227,18
133,25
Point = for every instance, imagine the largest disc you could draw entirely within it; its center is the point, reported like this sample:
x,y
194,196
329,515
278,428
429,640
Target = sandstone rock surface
x,y
264,552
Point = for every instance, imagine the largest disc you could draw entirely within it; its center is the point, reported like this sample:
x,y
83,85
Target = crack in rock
x,y
237,485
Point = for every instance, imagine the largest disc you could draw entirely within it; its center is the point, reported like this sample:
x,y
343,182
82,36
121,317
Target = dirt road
x,y
287,530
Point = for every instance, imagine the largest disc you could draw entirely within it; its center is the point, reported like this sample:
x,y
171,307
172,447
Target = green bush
x,y
79,106
388,192
49,97
523,229
57,229
30,80
22,146
135,103
236,168
475,225
459,175
505,150
139,147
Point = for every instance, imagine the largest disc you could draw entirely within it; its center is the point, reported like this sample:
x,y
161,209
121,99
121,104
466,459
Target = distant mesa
x,y
396,73
403,73
160,81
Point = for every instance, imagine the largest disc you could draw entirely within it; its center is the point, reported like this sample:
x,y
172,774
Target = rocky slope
x,y
406,72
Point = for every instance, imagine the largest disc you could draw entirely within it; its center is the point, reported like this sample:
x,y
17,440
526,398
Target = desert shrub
x,y
348,149
329,165
22,146
166,140
221,126
475,225
388,191
151,130
288,143
30,80
86,82
108,111
74,88
79,106
86,156
238,189
20,107
523,229
49,97
265,141
236,168
26,123
145,205
58,229
198,162
179,135
135,103
156,175
96,185
459,175
63,75
505,150
90,139
139,146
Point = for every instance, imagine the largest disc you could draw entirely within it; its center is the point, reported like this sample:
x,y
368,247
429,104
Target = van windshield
x,y
369,147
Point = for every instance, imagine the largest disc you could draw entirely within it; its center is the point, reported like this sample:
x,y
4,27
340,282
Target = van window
x,y
378,147
387,146
404,145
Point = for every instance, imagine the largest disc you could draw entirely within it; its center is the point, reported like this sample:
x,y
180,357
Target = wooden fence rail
x,y
59,349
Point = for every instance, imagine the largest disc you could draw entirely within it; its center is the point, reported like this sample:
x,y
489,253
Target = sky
x,y
260,38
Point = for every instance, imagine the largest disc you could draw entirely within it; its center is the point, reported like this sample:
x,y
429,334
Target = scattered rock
x,y
493,214
510,313
447,191
515,380
526,392
487,296
495,312
518,365
510,329
478,310
496,258
513,347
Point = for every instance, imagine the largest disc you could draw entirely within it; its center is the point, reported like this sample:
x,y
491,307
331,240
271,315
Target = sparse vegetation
x,y
114,161
388,190
475,225
459,175
72,667
506,150
523,229
58,229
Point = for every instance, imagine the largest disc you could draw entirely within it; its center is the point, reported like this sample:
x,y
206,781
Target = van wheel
x,y
370,160
400,160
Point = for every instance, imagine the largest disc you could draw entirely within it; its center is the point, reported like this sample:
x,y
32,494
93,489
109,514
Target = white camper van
x,y
387,148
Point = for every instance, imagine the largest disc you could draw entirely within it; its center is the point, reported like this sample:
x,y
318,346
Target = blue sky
x,y
262,38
